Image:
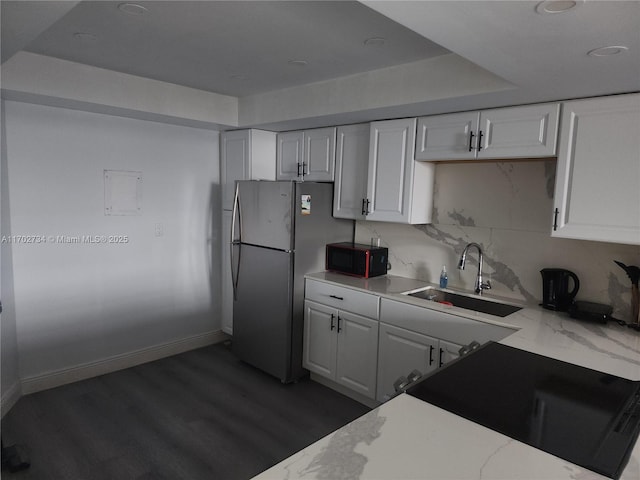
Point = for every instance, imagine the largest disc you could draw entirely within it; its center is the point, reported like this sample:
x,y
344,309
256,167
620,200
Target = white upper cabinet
x,y
289,155
447,137
399,189
516,132
307,155
597,194
319,155
352,158
245,155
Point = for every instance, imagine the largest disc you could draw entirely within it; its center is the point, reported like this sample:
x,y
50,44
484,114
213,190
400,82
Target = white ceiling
x,y
233,48
242,48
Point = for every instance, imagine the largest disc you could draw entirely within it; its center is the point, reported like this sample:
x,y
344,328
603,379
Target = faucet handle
x,y
486,285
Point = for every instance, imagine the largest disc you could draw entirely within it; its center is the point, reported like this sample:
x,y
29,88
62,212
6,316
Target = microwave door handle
x,y
235,266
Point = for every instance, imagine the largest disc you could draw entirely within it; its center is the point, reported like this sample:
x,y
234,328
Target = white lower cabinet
x,y
448,351
365,343
341,346
416,338
402,351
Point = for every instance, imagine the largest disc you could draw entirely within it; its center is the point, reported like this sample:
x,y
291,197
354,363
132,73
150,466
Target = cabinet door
x,y
447,137
289,154
352,158
227,285
235,164
400,352
357,353
597,195
391,169
448,351
320,342
519,132
319,155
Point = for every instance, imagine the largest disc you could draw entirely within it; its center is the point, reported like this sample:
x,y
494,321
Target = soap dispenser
x,y
444,279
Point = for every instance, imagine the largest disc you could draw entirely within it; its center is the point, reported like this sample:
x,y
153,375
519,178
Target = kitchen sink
x,y
467,302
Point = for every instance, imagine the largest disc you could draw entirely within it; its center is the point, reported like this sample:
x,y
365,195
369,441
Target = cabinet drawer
x,y
441,325
343,298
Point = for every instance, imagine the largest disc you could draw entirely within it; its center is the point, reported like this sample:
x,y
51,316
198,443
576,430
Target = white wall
x,y
507,207
10,384
81,304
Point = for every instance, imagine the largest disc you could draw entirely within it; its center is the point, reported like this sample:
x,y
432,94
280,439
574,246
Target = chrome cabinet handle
x,y
232,242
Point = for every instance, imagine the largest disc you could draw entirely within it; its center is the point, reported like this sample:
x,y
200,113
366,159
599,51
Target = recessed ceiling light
x,y
85,37
298,63
375,42
608,51
133,8
557,6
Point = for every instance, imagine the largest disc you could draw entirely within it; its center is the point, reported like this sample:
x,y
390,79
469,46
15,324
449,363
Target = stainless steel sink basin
x,y
476,304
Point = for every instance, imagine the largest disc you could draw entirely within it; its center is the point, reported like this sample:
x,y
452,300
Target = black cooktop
x,y
587,417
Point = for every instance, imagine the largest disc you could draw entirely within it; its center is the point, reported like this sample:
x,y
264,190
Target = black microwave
x,y
357,259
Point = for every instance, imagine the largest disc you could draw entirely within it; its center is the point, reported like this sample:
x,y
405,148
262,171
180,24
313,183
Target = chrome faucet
x,y
480,285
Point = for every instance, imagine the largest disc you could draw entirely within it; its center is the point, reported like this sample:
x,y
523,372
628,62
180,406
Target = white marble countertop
x,y
406,438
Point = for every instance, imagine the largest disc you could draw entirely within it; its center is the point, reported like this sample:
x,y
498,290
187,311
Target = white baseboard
x,y
9,398
118,362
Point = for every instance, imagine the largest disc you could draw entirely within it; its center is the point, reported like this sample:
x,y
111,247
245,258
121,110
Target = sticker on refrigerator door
x,y
305,204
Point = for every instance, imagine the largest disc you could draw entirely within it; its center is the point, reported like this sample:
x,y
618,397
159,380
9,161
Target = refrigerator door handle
x,y
235,266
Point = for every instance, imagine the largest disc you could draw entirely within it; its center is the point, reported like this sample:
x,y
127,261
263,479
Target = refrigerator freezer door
x,y
265,214
262,311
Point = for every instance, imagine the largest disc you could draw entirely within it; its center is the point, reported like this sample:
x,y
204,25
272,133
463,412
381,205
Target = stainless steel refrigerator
x,y
278,234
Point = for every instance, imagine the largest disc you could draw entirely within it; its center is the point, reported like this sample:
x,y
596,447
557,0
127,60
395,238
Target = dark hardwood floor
x,y
199,415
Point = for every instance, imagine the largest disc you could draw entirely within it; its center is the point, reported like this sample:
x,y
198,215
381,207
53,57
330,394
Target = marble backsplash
x,y
506,207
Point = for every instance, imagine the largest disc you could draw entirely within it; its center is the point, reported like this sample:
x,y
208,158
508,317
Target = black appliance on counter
x,y
584,416
556,294
357,259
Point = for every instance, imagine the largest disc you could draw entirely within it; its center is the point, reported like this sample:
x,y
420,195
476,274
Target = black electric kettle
x,y
555,288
